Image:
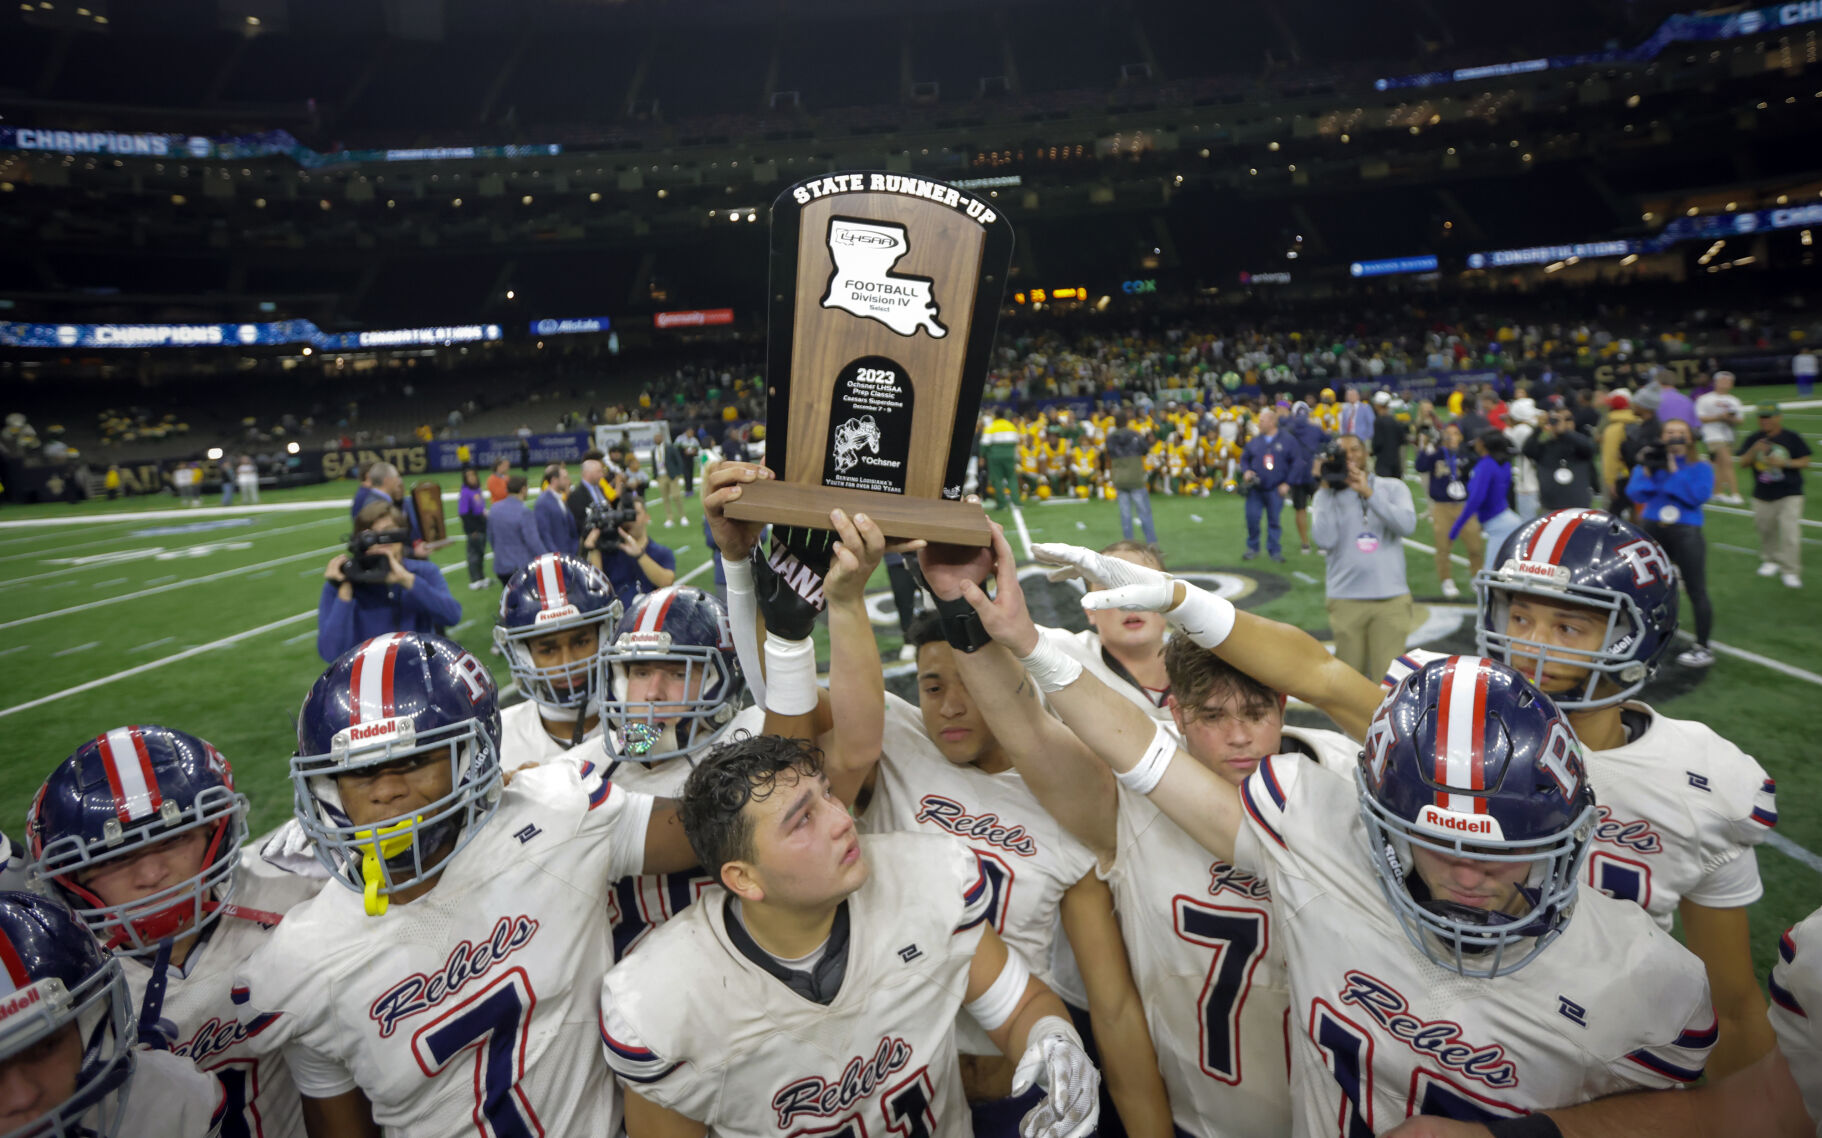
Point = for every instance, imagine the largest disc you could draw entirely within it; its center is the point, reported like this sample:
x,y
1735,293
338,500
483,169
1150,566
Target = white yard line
x,y
1018,519
184,584
73,649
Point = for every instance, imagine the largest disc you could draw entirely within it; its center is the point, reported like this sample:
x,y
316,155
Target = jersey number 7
x,y
1239,937
495,1022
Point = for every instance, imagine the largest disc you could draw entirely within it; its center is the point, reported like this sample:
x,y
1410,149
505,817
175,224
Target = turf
x,y
83,604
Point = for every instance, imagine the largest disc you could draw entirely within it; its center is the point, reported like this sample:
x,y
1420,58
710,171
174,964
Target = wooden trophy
x,y
428,498
885,294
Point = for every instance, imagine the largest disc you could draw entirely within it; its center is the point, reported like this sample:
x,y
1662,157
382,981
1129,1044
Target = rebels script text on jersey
x,y
693,1025
472,1006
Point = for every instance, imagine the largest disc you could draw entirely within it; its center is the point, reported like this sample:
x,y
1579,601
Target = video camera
x,y
1333,461
364,566
610,516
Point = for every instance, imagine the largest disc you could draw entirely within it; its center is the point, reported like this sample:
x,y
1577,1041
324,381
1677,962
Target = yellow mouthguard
x,y
379,844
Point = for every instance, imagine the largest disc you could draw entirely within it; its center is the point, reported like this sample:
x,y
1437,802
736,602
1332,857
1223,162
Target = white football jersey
x,y
1680,811
1029,859
1207,960
170,1098
523,738
1796,1009
258,1096
1086,647
697,1026
1383,1033
640,903
472,1006
14,877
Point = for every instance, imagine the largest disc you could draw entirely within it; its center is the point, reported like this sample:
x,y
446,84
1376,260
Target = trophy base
x,y
794,504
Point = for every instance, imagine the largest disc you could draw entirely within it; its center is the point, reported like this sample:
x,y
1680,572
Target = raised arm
x,y
1129,1062
1143,754
857,683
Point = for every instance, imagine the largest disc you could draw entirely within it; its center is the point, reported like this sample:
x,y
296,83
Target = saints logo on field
x,y
863,282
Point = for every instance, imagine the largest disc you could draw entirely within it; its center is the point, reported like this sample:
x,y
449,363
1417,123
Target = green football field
x,y
205,620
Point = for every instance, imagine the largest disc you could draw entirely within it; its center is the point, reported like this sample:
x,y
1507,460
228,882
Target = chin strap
x,y
155,1031
380,844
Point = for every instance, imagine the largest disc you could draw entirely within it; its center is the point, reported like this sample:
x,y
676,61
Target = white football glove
x,y
291,850
1132,588
1055,1061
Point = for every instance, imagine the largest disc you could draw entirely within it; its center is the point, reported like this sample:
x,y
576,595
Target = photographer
x,y
1670,482
1360,521
598,488
1441,458
373,588
622,547
1564,458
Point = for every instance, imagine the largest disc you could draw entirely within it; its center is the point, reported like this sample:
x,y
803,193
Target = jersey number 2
x,y
1239,938
495,1022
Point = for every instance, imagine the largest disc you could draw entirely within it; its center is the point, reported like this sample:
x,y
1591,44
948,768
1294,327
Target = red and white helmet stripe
x,y
1461,714
552,593
12,968
1548,542
651,618
129,770
370,681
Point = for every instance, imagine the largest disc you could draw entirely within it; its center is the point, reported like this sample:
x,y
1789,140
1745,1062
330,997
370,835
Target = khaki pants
x,y
1442,519
671,490
1780,523
1370,634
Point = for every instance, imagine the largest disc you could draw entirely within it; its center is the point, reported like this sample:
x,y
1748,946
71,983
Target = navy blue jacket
x,y
378,609
1311,438
1274,460
556,525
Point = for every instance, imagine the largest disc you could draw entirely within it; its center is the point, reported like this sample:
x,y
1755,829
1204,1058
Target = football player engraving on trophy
x,y
885,295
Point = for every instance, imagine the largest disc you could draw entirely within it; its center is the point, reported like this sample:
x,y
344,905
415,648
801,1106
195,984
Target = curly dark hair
x,y
1197,675
744,769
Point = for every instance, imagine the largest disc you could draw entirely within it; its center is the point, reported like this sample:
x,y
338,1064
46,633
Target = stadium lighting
x,y
308,350
752,217
662,194
253,21
511,295
1271,146
526,200
733,215
1628,259
457,203
292,447
214,454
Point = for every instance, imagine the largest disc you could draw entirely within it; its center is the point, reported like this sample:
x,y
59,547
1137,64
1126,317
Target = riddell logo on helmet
x,y
1460,825
362,735
1539,570
19,1002
559,613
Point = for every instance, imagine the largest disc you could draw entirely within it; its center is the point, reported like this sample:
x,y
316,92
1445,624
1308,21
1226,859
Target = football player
x,y
1585,606
1420,902
939,768
14,876
68,1061
444,982
555,615
1779,1096
140,833
817,990
1202,935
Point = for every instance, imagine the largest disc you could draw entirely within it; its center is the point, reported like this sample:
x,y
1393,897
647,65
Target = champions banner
x,y
229,335
267,144
1682,28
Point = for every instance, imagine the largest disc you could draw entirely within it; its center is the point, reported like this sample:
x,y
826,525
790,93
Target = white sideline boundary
x,y
183,584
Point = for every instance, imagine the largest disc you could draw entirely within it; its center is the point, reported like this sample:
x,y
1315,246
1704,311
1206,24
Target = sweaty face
x,y
652,684
1553,625
396,790
38,1080
151,870
951,718
563,654
806,852
1489,885
1130,633
1229,737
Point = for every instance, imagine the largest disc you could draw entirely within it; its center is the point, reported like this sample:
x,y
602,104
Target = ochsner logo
x,y
1460,825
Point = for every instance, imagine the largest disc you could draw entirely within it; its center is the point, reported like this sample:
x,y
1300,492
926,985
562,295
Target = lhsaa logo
x,y
247,333
68,335
864,284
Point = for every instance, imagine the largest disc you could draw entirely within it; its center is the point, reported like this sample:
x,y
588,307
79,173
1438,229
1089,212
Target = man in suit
x,y
555,525
513,532
596,487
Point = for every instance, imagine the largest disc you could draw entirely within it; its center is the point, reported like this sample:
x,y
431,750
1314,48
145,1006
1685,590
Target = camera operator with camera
x,y
374,588
618,542
1670,483
600,485
1360,520
1564,458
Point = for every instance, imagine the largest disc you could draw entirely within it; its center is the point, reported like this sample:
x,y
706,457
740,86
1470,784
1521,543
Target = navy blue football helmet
x,y
1465,758
1591,559
404,698
677,627
555,593
120,793
54,978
